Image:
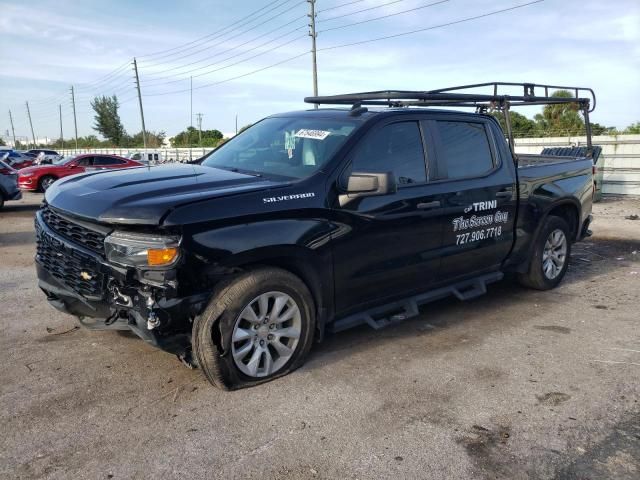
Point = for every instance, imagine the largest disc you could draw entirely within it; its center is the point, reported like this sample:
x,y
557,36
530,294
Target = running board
x,y
380,317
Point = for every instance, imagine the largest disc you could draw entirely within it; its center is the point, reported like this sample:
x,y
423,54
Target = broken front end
x,y
119,280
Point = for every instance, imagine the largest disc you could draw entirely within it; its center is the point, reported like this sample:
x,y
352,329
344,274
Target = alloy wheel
x,y
266,334
47,182
554,255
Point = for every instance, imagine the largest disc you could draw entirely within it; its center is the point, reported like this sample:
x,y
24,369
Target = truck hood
x,y
143,196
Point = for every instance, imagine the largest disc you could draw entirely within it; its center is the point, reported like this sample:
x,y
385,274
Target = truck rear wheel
x,y
257,327
551,254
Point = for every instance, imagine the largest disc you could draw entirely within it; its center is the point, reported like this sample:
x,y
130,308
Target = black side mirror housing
x,y
365,184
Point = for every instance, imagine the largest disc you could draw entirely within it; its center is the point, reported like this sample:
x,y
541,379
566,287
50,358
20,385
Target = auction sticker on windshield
x,y
314,134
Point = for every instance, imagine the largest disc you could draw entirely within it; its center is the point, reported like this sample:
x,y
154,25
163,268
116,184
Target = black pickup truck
x,y
312,222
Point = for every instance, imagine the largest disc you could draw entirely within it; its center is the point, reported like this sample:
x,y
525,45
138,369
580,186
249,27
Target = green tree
x,y
597,129
520,125
634,128
107,119
190,137
560,119
154,139
2,144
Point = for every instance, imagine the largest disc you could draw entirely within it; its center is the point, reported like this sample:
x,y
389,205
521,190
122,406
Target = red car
x,y
39,178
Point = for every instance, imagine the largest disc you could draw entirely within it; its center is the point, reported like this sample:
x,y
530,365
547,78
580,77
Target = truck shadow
x,y
449,324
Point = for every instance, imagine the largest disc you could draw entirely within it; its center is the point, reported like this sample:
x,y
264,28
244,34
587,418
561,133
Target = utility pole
x,y
314,35
144,130
190,113
61,134
13,132
33,135
75,120
199,117
236,124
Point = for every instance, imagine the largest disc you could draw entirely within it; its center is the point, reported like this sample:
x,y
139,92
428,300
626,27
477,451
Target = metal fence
x,y
165,155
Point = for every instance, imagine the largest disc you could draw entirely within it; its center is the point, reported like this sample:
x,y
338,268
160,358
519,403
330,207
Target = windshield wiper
x,y
240,170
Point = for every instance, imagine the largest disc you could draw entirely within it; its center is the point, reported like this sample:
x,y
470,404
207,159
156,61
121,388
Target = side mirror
x,y
368,185
74,165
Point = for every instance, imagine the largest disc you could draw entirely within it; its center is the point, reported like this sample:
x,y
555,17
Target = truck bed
x,y
531,160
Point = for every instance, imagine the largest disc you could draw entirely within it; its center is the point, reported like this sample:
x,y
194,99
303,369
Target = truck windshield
x,y
283,146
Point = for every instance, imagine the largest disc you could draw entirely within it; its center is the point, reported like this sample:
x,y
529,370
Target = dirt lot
x,y
517,384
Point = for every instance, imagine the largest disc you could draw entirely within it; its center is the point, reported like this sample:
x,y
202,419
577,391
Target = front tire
x,y
551,254
258,326
46,182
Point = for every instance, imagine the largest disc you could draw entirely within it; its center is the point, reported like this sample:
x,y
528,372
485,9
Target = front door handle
x,y
504,194
427,205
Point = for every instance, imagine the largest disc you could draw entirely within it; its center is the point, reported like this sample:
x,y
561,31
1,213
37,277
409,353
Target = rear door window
x,y
463,149
396,148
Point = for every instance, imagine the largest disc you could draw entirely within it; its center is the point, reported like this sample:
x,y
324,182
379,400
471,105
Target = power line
x,y
114,81
231,64
231,49
455,22
360,11
384,16
208,35
232,78
107,76
182,55
340,6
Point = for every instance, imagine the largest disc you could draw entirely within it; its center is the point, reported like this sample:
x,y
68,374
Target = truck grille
x,y
91,239
75,269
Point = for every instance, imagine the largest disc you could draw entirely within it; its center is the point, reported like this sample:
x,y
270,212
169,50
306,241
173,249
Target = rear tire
x,y
1,200
551,254
45,182
258,326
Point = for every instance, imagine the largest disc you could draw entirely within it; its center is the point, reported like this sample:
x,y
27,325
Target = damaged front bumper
x,y
79,282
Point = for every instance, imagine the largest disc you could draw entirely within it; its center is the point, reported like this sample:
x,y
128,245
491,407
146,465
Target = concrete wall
x,y
618,168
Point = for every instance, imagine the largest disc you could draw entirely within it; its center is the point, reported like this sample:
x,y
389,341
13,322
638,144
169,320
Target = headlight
x,y
27,174
140,250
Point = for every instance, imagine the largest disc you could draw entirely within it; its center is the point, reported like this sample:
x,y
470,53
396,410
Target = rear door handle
x,y
427,205
504,194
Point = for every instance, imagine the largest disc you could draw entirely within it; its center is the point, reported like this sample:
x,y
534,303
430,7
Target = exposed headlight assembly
x,y
142,250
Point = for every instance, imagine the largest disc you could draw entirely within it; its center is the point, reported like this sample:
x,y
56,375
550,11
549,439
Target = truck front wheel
x,y
550,258
258,326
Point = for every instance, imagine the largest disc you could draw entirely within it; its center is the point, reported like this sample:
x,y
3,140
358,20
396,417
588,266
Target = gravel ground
x,y
516,384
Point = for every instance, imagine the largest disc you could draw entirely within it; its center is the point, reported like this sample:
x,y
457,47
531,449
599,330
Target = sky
x,y
251,59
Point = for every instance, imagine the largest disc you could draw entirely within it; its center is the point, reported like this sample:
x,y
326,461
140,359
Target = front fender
x,y
301,246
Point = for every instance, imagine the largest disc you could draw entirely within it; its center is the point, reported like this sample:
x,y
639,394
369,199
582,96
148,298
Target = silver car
x,y
8,182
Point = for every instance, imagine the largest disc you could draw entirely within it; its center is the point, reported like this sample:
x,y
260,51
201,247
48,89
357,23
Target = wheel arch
x,y
567,209
312,269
